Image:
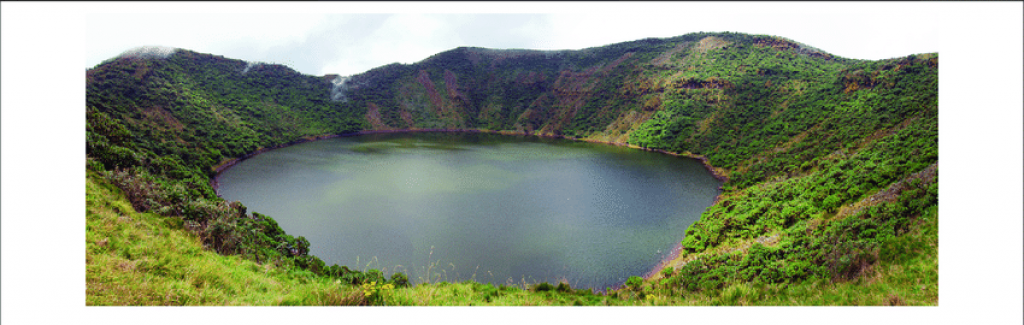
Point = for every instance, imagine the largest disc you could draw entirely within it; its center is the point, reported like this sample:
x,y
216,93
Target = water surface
x,y
491,208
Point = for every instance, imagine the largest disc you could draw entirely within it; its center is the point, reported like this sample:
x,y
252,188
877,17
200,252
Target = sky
x,y
47,46
343,42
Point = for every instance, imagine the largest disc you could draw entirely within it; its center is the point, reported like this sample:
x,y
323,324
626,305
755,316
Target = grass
x,y
910,279
146,259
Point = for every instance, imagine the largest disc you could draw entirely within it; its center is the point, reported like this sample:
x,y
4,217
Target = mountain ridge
x,y
801,134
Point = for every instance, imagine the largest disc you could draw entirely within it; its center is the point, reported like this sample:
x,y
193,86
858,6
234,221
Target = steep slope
x,y
202,108
147,259
831,161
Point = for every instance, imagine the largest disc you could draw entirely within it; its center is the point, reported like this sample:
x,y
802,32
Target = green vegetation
x,y
146,259
201,109
832,168
135,258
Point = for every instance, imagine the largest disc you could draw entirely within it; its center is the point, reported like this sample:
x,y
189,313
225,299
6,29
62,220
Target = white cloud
x,y
351,43
409,38
329,38
242,36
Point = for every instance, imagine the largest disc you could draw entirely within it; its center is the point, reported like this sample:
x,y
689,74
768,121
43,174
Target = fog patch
x,y
149,52
250,65
338,88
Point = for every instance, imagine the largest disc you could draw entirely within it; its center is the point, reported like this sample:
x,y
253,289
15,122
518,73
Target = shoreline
x,y
224,165
663,262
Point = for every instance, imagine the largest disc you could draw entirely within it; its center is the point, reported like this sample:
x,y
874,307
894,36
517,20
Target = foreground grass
x,y
147,259
911,281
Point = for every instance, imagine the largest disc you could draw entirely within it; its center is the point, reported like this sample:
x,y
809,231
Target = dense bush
x,y
838,250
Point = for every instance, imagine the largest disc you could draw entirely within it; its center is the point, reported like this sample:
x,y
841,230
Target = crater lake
x,y
456,206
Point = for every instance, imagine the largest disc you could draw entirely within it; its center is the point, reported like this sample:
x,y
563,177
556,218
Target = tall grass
x,y
146,259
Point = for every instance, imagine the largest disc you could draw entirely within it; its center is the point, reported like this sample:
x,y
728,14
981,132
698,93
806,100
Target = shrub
x,y
93,165
117,156
634,282
374,275
667,272
142,192
354,277
400,279
302,248
376,291
797,270
831,203
563,287
543,286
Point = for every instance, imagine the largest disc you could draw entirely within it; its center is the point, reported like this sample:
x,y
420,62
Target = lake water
x,y
472,206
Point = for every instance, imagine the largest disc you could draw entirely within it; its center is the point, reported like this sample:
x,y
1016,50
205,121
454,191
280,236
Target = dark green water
x,y
492,208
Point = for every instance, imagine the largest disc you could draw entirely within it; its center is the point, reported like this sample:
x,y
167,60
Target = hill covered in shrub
x,y
832,163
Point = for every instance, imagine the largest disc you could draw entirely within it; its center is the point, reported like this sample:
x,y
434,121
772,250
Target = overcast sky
x,y
349,43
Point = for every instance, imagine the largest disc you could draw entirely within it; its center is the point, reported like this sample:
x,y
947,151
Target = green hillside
x,y
832,163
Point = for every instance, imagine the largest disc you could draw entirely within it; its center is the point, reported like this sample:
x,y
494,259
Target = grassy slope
x,y
146,259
